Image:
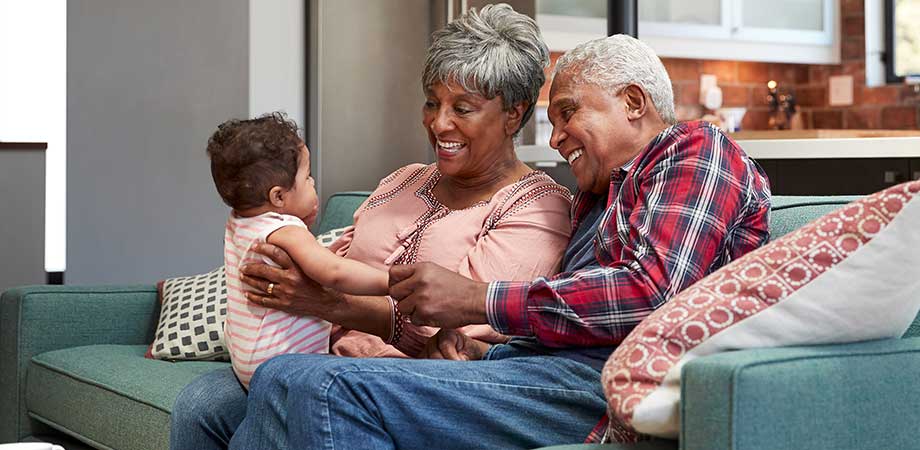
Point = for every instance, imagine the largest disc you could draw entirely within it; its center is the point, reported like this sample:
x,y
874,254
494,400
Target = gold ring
x,y
271,287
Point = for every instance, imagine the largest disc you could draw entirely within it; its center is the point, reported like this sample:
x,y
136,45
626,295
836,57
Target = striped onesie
x,y
254,333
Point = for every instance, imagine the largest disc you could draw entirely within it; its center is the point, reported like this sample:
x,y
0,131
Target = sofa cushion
x,y
848,397
109,394
789,213
851,275
340,210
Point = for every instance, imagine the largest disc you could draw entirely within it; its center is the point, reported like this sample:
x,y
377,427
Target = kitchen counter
x,y
793,144
802,162
821,134
819,148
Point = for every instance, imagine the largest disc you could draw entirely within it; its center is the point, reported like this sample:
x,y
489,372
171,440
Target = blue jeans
x,y
512,399
207,412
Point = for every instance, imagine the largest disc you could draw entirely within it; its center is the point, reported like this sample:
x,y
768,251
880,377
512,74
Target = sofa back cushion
x,y
340,210
790,212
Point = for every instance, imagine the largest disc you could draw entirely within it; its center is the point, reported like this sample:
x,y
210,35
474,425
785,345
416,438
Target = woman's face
x,y
469,133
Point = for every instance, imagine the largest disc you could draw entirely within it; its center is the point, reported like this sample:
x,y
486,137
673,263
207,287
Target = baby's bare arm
x,y
327,268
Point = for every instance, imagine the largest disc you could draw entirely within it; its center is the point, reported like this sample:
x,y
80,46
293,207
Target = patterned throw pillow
x,y
851,275
193,310
326,239
192,314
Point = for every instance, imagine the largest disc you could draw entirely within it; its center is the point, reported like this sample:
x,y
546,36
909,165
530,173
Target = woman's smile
x,y
449,149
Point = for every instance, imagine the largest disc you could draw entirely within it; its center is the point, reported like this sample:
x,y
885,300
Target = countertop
x,y
793,144
820,134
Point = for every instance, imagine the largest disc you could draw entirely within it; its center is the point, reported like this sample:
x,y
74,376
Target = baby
x,y
262,170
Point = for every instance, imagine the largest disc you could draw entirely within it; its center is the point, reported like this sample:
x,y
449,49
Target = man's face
x,y
590,130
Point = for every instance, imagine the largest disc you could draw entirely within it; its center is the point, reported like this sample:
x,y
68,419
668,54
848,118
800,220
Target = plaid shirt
x,y
689,203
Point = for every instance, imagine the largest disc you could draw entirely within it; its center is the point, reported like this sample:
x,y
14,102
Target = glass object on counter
x,y
731,118
782,108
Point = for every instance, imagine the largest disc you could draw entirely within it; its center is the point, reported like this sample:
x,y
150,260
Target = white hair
x,y
494,51
619,60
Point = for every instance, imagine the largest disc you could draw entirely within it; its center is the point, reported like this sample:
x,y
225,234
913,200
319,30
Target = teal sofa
x,y
72,370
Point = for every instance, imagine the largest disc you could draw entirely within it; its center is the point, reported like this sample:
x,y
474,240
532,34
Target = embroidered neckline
x,y
410,237
426,191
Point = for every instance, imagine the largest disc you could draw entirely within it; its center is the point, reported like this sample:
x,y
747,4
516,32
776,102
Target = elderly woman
x,y
478,211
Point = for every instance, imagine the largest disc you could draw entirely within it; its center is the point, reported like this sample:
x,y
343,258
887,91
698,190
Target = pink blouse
x,y
519,234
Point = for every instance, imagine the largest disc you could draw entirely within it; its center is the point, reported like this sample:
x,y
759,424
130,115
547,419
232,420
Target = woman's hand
x,y
291,290
451,344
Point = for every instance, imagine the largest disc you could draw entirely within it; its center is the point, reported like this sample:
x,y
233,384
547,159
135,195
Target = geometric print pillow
x,y
852,275
193,310
192,314
326,239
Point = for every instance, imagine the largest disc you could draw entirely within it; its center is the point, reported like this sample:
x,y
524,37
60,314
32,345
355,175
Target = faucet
x,y
782,107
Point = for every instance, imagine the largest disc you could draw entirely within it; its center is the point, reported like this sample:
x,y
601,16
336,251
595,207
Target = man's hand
x,y
452,344
292,291
431,295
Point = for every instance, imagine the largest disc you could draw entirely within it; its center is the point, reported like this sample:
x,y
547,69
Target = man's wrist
x,y
478,297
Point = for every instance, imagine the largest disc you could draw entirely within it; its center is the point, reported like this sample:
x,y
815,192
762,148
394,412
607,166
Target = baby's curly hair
x,y
249,157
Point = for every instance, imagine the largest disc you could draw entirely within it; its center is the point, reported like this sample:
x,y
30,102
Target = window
x,y
902,39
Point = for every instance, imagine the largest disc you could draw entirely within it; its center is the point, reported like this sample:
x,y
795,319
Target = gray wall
x,y
148,82
22,229
365,110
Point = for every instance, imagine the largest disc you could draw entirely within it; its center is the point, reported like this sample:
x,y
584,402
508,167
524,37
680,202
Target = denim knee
x,y
207,411
295,371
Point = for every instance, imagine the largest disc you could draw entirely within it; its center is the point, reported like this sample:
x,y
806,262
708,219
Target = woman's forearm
x,y
367,314
373,315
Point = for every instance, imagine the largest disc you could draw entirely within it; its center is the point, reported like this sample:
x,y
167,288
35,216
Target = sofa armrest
x,y
853,396
37,319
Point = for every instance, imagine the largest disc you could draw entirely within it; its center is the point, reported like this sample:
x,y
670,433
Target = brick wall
x,y
744,84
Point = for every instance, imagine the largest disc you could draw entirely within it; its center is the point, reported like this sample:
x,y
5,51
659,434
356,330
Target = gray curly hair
x,y
620,60
491,52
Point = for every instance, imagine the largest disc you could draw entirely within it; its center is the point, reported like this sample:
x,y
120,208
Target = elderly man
x,y
660,205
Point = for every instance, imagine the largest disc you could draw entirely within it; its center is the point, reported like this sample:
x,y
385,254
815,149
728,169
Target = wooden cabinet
x,y
915,169
795,31
850,176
